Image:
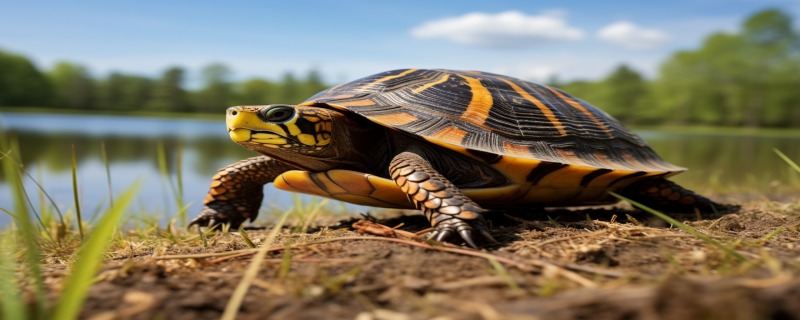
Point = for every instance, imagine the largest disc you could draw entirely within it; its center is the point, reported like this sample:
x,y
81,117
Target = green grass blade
x,y
312,215
75,191
108,172
686,228
29,234
179,194
11,303
785,158
252,270
245,237
90,257
501,271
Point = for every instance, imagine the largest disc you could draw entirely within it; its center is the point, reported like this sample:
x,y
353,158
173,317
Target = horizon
x,y
574,41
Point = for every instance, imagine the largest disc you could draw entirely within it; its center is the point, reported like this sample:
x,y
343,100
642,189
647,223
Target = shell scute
x,y
490,117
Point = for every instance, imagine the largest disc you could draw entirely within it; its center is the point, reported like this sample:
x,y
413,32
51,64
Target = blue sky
x,y
347,40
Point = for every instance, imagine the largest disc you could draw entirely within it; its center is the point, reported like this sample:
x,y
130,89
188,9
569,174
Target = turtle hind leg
x,y
667,196
449,211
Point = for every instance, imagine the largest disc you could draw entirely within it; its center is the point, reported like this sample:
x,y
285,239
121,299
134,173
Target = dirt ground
x,y
610,263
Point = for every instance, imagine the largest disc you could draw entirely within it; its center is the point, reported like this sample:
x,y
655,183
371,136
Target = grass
x,y
686,228
26,245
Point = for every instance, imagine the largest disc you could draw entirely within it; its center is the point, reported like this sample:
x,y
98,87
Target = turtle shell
x,y
490,116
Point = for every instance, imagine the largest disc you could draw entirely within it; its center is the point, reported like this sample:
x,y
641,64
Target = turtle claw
x,y
443,235
485,233
466,234
216,213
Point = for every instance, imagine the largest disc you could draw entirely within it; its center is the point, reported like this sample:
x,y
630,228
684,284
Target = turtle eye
x,y
278,114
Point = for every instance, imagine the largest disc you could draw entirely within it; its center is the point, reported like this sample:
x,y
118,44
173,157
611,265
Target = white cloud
x,y
631,36
505,29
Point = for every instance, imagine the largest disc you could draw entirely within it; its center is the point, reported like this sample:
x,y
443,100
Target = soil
x,y
602,263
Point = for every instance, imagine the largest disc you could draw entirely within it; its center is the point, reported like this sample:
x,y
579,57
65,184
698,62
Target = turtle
x,y
453,144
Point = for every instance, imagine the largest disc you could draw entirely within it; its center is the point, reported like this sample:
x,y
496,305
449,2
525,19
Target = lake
x,y
721,160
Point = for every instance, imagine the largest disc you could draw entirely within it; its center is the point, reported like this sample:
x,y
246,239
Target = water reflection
x,y
718,163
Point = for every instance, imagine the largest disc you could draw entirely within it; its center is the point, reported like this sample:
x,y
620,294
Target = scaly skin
x,y
237,190
666,196
449,211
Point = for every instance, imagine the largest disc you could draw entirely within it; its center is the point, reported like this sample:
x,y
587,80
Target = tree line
x,y
71,86
748,78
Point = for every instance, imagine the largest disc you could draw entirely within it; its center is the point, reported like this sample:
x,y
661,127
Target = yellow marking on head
x,y
271,146
481,103
265,136
292,126
271,141
547,112
240,134
578,106
311,118
450,135
306,139
428,85
397,119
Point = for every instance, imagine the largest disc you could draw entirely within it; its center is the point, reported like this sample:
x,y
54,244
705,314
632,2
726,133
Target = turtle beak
x,y
242,121
239,123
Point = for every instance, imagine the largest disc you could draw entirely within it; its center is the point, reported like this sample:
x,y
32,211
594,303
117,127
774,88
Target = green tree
x,y
255,92
749,78
74,88
290,89
21,84
625,90
216,92
313,84
168,93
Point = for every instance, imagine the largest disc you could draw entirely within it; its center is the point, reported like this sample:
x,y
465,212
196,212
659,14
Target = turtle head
x,y
280,127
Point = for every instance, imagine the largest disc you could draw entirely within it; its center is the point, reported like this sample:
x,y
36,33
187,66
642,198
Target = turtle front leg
x,y
449,211
237,190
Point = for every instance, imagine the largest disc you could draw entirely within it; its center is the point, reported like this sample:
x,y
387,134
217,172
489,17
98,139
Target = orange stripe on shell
x,y
387,78
357,103
428,85
481,103
396,119
450,135
578,106
517,150
547,112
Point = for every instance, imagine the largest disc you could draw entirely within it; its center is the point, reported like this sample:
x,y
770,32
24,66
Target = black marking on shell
x,y
632,175
487,157
542,170
593,175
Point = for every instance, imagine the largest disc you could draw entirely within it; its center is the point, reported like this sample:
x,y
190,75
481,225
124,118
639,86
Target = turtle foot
x,y
219,213
452,229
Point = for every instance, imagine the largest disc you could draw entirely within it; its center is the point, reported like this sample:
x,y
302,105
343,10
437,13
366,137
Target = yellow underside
x,y
556,189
